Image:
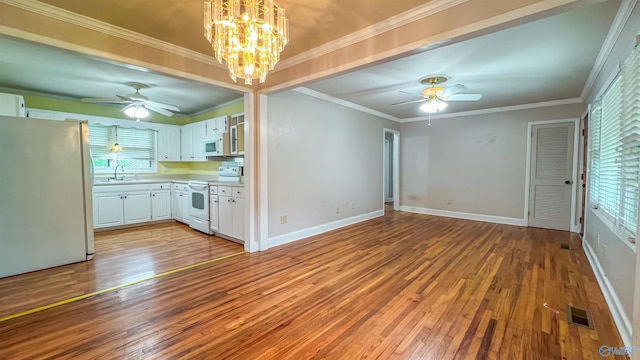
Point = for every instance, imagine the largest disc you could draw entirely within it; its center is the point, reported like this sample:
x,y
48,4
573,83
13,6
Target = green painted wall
x,y
230,109
78,107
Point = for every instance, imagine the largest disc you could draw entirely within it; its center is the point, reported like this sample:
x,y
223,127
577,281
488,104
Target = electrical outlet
x,y
604,252
353,206
283,219
598,241
450,202
337,210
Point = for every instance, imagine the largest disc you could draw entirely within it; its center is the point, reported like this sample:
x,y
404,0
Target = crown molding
x,y
219,106
622,16
497,110
335,100
86,22
394,22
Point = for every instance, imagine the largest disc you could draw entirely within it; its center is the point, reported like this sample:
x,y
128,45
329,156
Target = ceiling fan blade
x,y
446,93
408,102
103,100
163,105
410,93
126,98
464,97
158,109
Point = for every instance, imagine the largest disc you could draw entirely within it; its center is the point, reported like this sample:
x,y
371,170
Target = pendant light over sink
x,y
116,148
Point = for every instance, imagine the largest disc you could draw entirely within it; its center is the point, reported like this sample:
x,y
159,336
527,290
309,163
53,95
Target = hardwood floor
x,y
398,287
122,256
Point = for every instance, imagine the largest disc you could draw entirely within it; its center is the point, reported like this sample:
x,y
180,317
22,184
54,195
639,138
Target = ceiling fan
x,y
138,105
435,97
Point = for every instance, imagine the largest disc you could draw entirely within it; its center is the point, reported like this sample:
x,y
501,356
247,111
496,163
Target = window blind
x,y
138,144
629,144
609,191
615,148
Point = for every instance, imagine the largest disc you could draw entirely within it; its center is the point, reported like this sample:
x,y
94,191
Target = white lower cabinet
x,y
180,203
117,205
213,209
137,207
160,202
231,211
107,210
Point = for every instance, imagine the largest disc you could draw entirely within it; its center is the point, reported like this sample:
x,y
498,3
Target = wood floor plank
x,y
398,287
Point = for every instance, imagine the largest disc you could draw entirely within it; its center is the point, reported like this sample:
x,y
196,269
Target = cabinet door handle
x,y
121,197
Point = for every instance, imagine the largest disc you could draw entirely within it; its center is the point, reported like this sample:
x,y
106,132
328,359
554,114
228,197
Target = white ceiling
x,y
47,70
545,60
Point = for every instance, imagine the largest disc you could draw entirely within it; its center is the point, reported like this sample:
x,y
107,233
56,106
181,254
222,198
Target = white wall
x,y
322,157
612,259
478,162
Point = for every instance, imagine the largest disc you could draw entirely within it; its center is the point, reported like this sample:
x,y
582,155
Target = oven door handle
x,y
198,187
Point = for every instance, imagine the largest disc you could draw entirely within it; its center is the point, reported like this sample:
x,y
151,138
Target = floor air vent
x,y
579,317
565,246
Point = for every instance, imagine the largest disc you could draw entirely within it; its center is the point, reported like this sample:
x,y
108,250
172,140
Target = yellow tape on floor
x,y
81,297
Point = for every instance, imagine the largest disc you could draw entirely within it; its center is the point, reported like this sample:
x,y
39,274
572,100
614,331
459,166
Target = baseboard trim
x,y
319,229
466,216
619,317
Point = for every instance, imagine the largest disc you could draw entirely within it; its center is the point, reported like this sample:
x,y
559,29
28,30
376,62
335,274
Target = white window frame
x,y
113,163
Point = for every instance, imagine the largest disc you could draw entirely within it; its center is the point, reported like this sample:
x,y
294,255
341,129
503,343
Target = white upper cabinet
x,y
169,143
12,105
198,136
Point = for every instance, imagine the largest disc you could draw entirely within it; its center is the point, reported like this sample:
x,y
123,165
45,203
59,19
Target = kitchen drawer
x,y
213,190
182,187
225,190
237,192
163,186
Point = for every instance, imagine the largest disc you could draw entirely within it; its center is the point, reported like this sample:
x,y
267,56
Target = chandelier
x,y
246,34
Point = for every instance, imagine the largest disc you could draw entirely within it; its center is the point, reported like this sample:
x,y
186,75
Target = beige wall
x,y
322,156
616,259
478,162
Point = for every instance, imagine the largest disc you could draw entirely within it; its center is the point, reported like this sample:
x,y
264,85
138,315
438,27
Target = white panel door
x,y
225,215
551,176
107,210
238,218
213,212
160,205
198,136
186,143
137,207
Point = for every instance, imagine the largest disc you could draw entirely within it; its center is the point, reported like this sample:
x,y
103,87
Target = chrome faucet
x,y
115,173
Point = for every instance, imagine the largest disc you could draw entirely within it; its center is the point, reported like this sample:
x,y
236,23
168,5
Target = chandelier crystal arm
x,y
246,34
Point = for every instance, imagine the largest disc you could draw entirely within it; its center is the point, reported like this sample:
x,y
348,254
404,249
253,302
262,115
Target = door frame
x,y
574,169
395,165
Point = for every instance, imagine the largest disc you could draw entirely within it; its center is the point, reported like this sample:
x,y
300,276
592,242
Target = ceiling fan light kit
x,y
137,105
246,34
435,97
137,112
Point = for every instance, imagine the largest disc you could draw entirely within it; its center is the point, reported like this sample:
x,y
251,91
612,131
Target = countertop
x,y
160,181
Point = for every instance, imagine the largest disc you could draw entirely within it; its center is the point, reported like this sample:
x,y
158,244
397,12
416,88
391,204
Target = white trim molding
x,y
335,100
319,229
619,317
465,216
394,22
86,22
622,16
497,109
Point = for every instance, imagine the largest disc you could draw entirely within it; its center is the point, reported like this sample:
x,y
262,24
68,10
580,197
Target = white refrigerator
x,y
46,217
